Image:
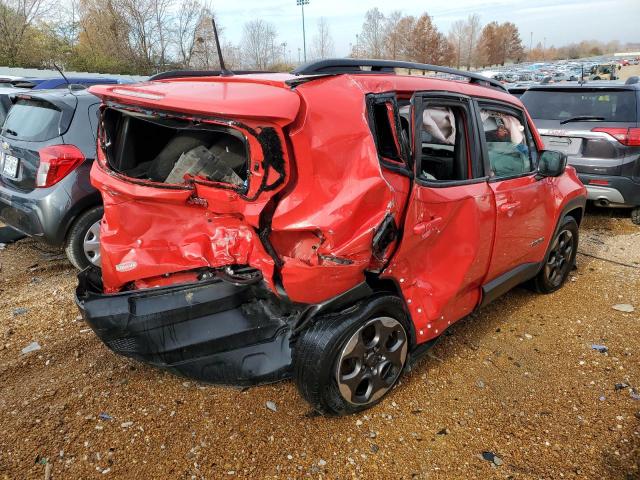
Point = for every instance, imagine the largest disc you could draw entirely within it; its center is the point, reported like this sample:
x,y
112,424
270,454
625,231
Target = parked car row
x,y
601,68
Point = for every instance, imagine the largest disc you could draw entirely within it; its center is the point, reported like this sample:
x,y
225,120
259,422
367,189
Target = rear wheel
x,y
560,258
635,215
347,363
83,241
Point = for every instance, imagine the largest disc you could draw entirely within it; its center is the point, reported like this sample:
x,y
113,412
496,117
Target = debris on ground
x,y
19,311
492,457
599,348
272,406
621,386
624,307
105,416
32,347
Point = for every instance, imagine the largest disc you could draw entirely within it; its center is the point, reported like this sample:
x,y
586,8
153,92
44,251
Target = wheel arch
x,y
373,287
577,213
82,206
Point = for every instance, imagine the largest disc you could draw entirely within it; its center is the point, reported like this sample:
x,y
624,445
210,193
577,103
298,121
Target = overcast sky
x,y
560,21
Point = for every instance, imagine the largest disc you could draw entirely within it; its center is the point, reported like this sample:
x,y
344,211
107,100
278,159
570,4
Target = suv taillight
x,y
56,162
626,136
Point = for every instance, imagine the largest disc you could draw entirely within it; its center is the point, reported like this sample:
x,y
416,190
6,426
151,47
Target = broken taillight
x,y
626,136
56,162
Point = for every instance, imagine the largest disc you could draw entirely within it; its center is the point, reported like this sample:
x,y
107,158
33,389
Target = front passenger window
x,y
507,144
442,143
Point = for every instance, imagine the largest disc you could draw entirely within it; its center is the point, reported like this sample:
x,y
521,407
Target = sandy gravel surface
x,y
519,379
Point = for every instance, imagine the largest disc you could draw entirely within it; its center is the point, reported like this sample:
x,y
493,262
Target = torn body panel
x,y
342,193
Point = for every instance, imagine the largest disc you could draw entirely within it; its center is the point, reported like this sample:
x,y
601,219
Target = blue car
x,y
59,82
36,83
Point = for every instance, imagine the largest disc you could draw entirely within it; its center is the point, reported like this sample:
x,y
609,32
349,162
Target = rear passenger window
x,y
390,138
386,142
443,143
507,143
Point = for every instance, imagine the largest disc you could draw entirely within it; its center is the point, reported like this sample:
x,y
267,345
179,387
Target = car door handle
x,y
509,206
427,228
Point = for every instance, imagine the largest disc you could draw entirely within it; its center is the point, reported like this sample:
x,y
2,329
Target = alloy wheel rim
x,y
91,244
372,360
559,261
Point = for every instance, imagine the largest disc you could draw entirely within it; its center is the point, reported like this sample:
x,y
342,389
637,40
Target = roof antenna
x,y
223,70
63,75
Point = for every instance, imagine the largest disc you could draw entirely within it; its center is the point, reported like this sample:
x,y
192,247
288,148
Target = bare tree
x,y
148,22
473,28
372,36
322,42
457,38
259,44
162,23
16,18
187,29
393,39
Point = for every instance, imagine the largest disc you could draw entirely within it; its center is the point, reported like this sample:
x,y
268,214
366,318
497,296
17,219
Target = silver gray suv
x,y
597,124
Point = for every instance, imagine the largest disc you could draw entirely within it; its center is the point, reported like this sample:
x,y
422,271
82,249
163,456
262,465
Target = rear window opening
x,y
33,120
596,104
174,151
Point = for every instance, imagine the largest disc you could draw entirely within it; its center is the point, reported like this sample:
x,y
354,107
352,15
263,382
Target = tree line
x,y
147,36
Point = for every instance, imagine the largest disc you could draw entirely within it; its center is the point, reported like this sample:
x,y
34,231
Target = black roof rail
x,y
335,66
197,73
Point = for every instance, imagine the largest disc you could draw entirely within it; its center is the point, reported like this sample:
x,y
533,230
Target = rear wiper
x,y
11,132
584,118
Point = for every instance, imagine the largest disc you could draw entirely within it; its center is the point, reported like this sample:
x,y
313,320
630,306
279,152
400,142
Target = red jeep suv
x,y
326,225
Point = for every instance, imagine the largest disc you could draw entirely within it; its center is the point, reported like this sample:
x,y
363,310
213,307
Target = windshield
x,y
611,106
32,120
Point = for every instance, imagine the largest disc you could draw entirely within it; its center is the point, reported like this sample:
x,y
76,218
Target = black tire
x,y
559,260
319,347
74,246
635,215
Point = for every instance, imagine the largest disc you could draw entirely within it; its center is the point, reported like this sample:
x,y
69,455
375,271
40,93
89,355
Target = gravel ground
x,y
519,379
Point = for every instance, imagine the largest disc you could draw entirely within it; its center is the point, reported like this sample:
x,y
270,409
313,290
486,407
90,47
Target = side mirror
x,y
551,163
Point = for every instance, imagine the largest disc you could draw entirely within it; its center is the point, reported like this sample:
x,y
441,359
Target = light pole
x,y
530,44
302,3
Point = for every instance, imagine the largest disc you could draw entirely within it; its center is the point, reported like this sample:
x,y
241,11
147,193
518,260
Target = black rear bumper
x,y
213,331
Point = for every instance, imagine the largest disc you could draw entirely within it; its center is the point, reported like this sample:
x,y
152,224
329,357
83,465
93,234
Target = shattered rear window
x,y
173,151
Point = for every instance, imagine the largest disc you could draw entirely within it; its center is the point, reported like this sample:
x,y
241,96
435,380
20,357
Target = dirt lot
x,y
519,379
